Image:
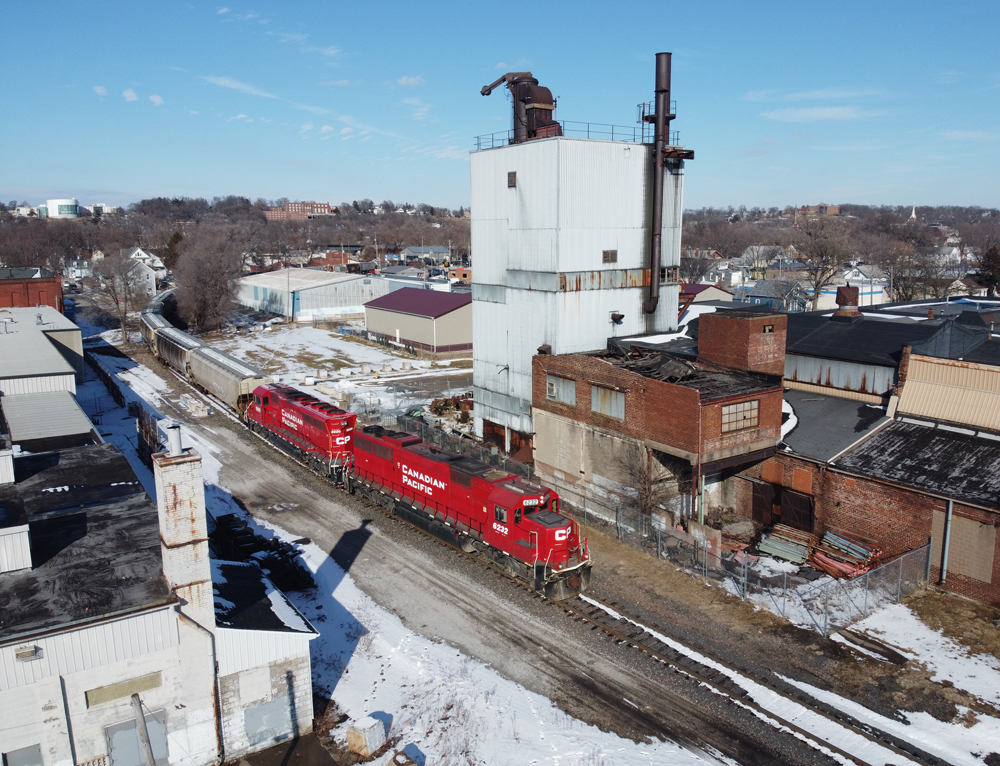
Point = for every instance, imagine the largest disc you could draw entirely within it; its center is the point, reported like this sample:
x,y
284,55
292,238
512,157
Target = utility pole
x,y
140,725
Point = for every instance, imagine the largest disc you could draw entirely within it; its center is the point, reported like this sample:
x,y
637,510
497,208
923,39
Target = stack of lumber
x,y
841,556
789,544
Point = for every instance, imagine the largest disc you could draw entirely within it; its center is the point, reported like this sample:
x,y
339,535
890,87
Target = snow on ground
x,y
445,708
978,674
793,420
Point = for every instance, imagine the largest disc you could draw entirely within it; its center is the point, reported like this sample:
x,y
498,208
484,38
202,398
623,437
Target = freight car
x,y
513,521
226,377
311,429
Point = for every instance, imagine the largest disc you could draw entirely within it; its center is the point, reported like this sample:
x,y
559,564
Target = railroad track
x,y
805,717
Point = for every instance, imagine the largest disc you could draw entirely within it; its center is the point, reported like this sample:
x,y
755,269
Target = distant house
x,y
703,293
428,321
462,273
403,271
777,295
968,287
143,256
145,277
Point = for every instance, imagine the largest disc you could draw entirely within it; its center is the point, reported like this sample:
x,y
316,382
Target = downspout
x,y
216,696
659,150
697,488
947,542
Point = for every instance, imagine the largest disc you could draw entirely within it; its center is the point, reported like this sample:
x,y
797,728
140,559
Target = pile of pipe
x,y
843,557
789,544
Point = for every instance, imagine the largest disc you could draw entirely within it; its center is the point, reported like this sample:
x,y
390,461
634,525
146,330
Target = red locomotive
x,y
513,521
309,428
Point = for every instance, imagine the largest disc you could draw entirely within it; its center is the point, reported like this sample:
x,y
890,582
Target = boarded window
x,y
736,417
763,503
560,389
125,748
609,256
24,756
381,451
512,180
608,402
270,722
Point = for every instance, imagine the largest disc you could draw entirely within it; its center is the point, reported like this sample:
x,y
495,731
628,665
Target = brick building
x,y
30,287
695,418
298,211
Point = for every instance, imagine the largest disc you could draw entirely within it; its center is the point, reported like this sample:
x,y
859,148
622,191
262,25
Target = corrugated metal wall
x,y
834,373
15,549
90,647
244,649
39,385
959,392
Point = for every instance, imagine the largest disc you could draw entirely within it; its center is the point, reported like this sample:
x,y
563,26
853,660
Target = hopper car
x,y
513,522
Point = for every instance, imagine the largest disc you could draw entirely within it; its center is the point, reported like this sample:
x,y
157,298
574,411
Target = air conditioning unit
x,y
550,389
28,653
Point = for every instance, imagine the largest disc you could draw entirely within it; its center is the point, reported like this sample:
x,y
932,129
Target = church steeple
x,y
913,214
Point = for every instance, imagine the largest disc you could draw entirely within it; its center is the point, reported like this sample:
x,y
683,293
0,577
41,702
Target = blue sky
x,y
783,103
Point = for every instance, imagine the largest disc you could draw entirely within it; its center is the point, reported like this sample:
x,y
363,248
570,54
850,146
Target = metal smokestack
x,y
174,439
661,124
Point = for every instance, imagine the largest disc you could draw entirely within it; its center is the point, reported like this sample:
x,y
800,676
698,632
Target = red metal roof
x,y
422,303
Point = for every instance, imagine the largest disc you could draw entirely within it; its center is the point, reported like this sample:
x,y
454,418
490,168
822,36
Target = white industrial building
x,y
561,232
60,208
308,294
40,351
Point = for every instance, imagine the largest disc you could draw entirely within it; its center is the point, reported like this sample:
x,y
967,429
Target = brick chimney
x,y
847,302
744,340
180,501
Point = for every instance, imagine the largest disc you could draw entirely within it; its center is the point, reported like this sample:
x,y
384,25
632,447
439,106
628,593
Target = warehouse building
x,y
47,421
30,286
308,295
428,322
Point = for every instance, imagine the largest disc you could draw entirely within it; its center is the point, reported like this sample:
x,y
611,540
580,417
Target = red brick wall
x,y
894,518
46,291
654,410
738,340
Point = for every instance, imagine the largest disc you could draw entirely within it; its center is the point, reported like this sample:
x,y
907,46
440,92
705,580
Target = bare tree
x,y
206,274
693,270
823,251
122,288
647,483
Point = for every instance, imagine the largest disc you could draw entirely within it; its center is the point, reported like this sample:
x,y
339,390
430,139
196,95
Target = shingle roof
x,y
953,464
423,303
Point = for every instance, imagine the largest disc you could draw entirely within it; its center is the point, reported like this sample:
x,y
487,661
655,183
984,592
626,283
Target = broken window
x,y
736,417
560,389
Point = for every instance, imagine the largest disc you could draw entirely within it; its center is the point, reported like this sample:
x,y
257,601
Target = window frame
x,y
737,420
556,387
594,396
499,514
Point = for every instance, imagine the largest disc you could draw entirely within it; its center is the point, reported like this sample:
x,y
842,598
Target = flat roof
x,y
298,279
828,425
29,354
934,457
423,303
95,542
246,599
28,316
43,416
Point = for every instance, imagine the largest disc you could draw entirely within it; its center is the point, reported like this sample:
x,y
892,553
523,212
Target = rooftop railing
x,y
636,134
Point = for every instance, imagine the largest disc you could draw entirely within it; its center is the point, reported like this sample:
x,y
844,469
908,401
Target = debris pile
x,y
789,544
234,540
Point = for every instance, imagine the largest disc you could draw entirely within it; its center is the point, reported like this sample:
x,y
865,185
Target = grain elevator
x,y
576,234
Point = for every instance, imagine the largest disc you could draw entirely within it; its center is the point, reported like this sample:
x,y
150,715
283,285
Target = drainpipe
x,y
216,696
660,138
947,542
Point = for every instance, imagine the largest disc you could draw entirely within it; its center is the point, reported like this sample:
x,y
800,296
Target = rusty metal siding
x,y
607,401
958,392
834,373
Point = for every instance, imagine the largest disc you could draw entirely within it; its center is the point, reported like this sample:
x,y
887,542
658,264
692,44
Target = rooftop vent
x,y
28,653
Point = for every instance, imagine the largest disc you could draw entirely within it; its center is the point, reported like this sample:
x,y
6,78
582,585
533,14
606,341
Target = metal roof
x,y
42,416
25,354
27,318
231,363
933,458
866,340
180,337
297,279
423,303
955,391
828,425
245,599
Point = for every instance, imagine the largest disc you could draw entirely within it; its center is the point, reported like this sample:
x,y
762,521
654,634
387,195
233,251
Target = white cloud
x,y
130,95
242,87
313,109
420,109
293,37
157,100
308,126
237,117
335,83
410,82
326,129
968,135
345,131
817,114
813,95
330,50
100,90
192,112
221,11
